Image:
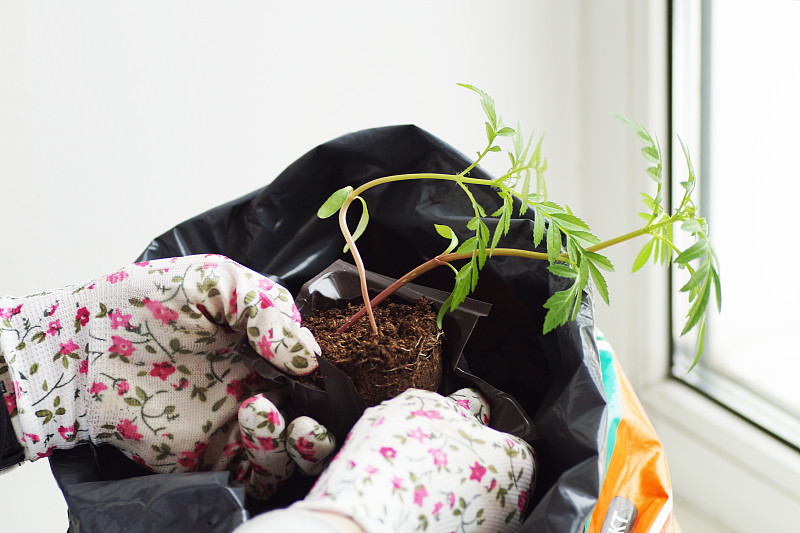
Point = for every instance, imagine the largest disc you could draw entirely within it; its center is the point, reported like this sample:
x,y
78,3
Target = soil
x,y
407,352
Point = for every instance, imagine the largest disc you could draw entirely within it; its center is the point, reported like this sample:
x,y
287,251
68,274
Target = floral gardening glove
x,y
424,462
144,359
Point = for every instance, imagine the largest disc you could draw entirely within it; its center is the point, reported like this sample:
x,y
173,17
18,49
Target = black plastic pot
x,y
338,406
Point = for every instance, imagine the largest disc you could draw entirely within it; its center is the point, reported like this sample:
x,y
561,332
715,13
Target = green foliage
x,y
662,248
572,250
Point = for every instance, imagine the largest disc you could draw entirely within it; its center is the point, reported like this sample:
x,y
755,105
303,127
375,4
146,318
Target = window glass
x,y
750,176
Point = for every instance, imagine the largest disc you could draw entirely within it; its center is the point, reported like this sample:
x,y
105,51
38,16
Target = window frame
x,y
725,471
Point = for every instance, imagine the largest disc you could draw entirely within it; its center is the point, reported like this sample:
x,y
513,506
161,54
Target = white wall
x,y
119,120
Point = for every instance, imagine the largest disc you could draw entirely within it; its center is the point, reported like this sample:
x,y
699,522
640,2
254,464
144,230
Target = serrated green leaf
x,y
362,223
698,277
698,308
553,243
599,281
695,251
584,237
469,245
490,133
334,202
570,222
599,260
643,255
651,154
538,226
558,306
654,173
562,270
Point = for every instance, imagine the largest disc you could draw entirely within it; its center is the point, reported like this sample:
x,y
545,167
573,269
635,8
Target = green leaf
x,y
448,233
183,369
570,222
538,226
553,243
490,133
717,287
334,202
695,251
655,173
506,131
141,394
134,302
698,308
486,102
133,402
599,281
362,223
698,277
599,260
562,270
34,368
644,255
558,306
651,154
691,226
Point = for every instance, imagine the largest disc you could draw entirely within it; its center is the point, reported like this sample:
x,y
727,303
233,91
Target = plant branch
x,y
348,237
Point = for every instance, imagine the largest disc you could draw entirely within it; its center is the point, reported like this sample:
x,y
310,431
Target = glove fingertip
x,y
473,403
309,444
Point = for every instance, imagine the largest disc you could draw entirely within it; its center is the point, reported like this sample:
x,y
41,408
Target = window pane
x,y
751,192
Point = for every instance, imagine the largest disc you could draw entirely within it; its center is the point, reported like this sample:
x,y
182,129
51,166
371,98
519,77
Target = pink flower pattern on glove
x,y
433,455
146,358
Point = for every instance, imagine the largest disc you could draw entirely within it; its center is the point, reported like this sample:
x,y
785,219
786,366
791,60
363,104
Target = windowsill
x,y
753,478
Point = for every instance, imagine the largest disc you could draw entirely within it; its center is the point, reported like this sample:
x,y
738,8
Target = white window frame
x,y
727,475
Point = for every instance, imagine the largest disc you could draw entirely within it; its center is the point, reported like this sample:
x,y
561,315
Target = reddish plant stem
x,y
439,260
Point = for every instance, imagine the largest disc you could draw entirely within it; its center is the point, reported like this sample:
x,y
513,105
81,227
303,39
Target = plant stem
x,y
443,259
348,237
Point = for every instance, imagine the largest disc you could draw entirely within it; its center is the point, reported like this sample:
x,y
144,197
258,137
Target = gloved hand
x,y
420,462
144,359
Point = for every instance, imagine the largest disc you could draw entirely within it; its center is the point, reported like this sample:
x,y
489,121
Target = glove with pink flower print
x,y
145,359
421,461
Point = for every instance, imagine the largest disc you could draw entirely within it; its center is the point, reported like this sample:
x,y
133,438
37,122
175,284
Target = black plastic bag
x,y
556,378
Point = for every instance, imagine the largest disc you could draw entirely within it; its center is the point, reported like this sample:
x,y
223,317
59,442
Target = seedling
x,y
572,250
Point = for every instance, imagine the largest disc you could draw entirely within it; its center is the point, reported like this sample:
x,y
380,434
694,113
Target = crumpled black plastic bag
x,y
555,377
